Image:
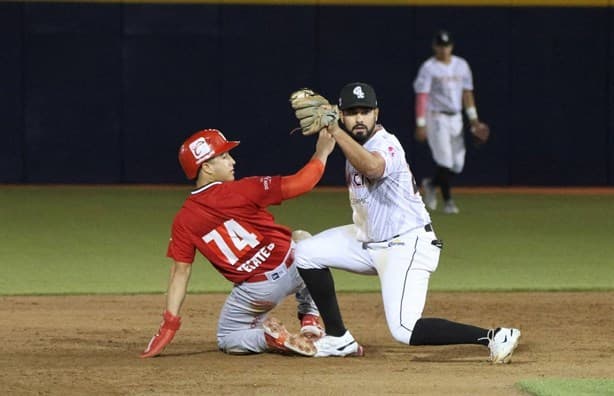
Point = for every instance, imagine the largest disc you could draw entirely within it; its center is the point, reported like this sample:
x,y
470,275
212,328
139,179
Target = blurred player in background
x,y
227,221
444,86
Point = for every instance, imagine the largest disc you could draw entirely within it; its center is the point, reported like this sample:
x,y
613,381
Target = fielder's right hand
x,y
169,326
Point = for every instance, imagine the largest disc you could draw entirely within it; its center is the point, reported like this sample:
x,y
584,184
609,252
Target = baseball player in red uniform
x,y
227,222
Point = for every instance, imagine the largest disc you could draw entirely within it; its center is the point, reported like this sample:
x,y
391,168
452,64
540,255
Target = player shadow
x,y
190,353
449,354
187,349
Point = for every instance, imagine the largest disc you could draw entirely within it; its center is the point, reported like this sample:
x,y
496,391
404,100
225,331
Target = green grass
x,y
528,242
58,240
568,387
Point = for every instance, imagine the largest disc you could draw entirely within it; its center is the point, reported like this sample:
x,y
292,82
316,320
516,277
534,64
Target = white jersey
x,y
444,83
390,205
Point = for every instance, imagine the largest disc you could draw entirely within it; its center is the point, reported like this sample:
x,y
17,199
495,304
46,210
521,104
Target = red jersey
x,y
229,224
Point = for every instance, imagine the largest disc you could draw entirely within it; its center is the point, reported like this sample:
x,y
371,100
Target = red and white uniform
x,y
229,224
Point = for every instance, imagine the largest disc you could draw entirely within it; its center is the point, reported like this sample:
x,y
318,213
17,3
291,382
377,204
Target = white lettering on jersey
x,y
257,259
235,234
266,182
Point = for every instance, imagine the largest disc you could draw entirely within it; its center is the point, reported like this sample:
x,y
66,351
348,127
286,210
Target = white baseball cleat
x,y
345,345
430,194
450,207
502,342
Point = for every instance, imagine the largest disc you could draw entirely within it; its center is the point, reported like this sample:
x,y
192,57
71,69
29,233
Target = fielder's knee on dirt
x,y
402,333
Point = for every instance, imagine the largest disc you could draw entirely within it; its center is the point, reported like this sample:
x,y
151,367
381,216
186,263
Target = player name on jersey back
x,y
257,259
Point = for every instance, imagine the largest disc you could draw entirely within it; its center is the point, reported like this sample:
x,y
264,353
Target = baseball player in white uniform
x,y
443,86
391,236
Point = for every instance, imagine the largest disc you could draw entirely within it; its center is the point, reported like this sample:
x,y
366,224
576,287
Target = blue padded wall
x,y
105,93
610,103
171,81
72,93
353,45
11,94
266,53
559,108
482,37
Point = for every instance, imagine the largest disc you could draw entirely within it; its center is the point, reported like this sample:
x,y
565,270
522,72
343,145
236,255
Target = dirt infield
x,y
84,345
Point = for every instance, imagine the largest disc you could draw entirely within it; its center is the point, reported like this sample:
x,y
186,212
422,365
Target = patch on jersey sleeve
x,y
391,151
266,182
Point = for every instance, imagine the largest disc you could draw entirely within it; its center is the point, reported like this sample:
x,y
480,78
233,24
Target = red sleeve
x,y
262,190
271,190
302,181
421,101
180,247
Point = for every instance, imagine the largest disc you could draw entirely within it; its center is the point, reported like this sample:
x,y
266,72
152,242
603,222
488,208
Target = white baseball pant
x,y
445,138
239,328
404,265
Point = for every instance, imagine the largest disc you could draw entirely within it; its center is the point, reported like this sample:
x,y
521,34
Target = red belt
x,y
261,276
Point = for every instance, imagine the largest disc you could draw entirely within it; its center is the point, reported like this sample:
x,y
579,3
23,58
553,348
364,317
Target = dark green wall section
x,y
105,93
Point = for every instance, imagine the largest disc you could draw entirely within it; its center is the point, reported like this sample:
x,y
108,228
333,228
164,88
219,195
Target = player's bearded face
x,y
360,122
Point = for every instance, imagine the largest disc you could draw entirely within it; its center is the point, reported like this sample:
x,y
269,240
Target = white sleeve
x,y
392,156
467,77
422,83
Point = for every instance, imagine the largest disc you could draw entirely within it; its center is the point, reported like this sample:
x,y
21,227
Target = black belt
x,y
448,113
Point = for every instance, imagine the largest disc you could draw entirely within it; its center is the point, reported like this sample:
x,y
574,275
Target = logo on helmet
x,y
358,92
200,149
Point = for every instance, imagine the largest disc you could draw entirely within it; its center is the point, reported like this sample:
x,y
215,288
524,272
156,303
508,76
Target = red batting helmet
x,y
200,147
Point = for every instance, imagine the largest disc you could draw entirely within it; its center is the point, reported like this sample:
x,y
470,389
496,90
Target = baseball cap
x,y
443,37
200,147
357,94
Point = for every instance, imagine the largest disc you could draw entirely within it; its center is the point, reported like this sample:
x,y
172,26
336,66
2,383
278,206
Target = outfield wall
x,y
105,92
